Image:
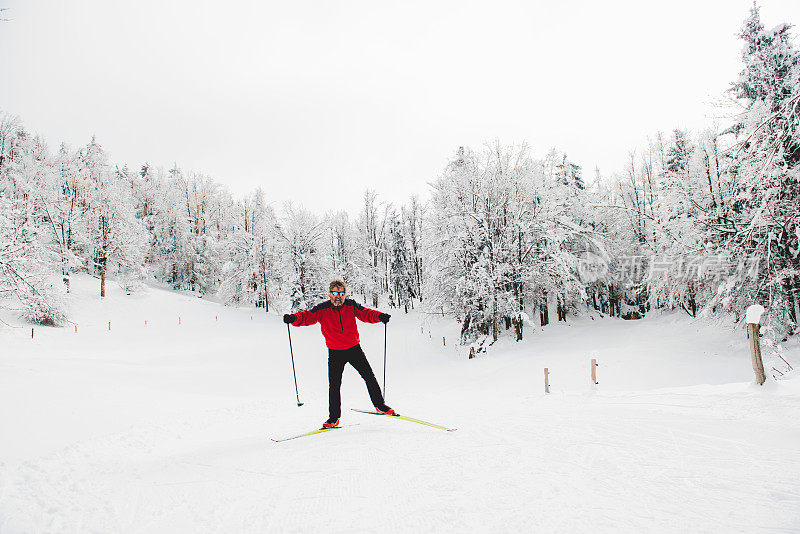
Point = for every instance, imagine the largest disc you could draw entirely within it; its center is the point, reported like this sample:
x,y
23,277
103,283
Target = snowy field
x,y
166,426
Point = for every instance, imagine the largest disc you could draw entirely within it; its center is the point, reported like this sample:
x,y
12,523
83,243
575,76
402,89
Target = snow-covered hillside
x,y
162,424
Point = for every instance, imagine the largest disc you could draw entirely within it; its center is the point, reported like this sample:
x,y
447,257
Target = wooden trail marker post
x,y
593,368
546,380
753,319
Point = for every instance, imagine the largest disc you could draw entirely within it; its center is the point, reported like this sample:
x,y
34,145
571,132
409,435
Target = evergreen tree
x,y
758,217
679,153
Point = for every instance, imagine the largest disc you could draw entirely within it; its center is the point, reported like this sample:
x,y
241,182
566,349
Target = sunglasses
x,y
337,293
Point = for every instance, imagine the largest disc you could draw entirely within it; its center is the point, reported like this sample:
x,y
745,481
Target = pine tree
x,y
679,153
761,216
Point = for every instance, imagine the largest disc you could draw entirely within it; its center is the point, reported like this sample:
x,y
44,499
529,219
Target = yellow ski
x,y
318,431
403,417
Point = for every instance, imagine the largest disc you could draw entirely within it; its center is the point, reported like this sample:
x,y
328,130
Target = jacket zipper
x,y
340,319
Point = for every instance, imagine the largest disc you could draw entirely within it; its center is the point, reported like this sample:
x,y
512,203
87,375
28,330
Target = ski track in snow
x,y
161,429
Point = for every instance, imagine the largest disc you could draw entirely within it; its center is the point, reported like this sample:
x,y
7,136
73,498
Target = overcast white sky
x,y
304,97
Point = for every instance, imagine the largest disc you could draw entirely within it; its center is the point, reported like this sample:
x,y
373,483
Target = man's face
x,y
337,296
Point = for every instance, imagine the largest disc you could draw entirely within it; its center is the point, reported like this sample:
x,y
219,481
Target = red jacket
x,y
338,325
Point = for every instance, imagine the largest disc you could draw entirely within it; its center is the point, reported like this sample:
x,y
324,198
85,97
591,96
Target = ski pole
x,y
291,352
384,361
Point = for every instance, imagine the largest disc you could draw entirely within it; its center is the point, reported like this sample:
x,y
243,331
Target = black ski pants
x,y
337,359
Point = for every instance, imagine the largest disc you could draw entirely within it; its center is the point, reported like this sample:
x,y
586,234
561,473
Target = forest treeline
x,y
703,221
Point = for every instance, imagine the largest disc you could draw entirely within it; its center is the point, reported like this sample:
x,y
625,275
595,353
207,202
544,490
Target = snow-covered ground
x,y
165,427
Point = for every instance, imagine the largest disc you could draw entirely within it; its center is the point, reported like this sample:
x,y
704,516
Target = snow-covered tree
x,y
251,274
401,269
759,221
501,235
372,233
27,267
116,237
28,263
303,261
412,217
567,172
347,259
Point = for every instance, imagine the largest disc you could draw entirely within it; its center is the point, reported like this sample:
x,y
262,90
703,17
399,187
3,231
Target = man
x,y
337,319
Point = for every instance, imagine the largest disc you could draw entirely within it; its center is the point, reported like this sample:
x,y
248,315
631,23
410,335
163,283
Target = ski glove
x,y
289,318
384,317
